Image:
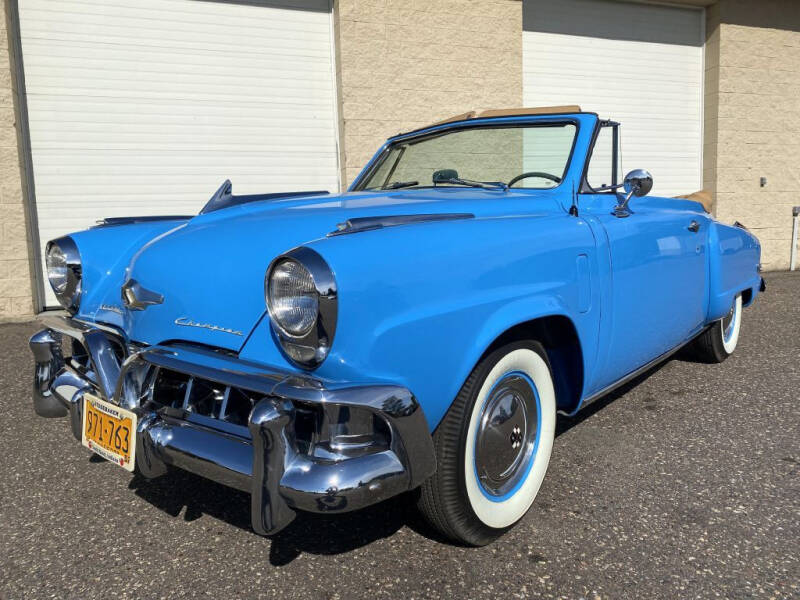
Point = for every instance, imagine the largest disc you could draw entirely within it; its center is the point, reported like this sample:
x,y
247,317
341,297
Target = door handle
x,y
694,227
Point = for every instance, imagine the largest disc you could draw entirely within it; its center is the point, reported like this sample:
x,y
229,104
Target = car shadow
x,y
180,492
565,423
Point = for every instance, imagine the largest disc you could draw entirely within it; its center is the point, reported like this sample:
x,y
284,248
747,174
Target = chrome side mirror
x,y
636,183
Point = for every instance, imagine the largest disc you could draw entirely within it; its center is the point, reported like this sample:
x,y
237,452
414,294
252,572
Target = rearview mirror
x,y
444,175
636,183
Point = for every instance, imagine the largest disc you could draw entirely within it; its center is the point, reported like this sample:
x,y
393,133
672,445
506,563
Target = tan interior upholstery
x,y
703,197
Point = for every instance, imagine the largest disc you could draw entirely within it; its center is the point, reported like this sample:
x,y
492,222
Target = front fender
x,y
106,252
419,305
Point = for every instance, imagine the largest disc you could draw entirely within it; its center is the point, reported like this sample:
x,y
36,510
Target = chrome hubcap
x,y
506,434
727,323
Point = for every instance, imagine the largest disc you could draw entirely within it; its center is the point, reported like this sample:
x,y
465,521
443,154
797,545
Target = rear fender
x,y
734,256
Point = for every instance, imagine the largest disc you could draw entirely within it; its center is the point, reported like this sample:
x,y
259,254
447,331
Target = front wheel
x,y
493,446
719,341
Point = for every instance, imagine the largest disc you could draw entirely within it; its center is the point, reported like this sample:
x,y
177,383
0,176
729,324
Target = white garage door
x,y
641,65
146,107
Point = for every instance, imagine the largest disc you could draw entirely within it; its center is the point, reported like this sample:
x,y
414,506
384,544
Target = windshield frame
x,y
489,123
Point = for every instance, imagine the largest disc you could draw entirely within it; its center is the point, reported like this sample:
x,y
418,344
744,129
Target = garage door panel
x,y
146,107
91,108
188,42
619,50
184,64
132,59
65,166
171,11
151,22
613,20
641,65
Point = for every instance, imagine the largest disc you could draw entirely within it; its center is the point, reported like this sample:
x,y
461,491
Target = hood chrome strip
x,y
369,223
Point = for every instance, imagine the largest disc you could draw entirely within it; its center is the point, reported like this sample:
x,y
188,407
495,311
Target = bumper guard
x,y
370,442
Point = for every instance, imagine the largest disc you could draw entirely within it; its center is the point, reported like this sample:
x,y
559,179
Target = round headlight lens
x,y
293,298
64,272
57,268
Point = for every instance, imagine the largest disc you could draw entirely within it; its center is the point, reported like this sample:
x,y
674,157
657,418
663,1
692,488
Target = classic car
x,y
418,333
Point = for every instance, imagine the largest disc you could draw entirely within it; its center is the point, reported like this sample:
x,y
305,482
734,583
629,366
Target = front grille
x,y
203,397
224,407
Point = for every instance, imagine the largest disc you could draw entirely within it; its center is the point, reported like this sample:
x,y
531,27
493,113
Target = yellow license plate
x,y
110,431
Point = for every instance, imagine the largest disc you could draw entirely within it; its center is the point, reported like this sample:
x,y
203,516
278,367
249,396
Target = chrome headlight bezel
x,y
69,293
309,349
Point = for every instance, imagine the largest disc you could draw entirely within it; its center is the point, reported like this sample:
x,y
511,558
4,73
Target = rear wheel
x,y
493,446
719,341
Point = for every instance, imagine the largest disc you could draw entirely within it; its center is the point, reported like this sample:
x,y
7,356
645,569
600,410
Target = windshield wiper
x,y
486,185
400,184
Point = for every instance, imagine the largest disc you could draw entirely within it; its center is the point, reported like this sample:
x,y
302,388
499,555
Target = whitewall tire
x,y
718,342
729,326
493,446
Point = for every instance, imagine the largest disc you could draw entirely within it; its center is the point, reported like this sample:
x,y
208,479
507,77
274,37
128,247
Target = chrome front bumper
x,y
305,445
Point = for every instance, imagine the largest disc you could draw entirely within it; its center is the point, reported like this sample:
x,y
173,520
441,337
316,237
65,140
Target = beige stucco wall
x,y
752,125
15,275
406,63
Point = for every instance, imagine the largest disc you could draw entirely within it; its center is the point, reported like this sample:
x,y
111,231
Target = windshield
x,y
522,156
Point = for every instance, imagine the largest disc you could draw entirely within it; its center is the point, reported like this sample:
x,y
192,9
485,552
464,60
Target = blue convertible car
x,y
420,332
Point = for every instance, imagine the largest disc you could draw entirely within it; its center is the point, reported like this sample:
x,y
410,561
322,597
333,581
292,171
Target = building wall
x,y
407,63
753,128
395,75
15,247
711,99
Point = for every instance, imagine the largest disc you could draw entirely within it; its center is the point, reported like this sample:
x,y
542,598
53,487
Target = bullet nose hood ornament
x,y
137,297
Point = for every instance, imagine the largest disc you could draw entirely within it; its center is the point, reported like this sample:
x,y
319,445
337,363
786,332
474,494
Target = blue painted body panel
x,y
419,304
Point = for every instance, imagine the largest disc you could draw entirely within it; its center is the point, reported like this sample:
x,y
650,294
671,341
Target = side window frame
x,y
585,188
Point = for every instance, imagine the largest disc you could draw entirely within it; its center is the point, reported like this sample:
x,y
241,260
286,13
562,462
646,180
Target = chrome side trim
x,y
633,375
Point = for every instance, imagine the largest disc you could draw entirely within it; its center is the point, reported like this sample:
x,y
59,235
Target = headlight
x,y
301,299
293,297
64,272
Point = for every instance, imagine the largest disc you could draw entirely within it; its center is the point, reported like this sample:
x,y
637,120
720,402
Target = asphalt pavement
x,y
683,484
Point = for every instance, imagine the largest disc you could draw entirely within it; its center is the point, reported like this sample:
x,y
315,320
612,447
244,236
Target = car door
x,y
656,294
658,281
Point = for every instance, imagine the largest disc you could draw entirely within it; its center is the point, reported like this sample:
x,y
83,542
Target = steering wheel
x,y
534,174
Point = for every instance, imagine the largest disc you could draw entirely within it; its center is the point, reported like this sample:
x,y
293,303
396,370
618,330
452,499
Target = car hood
x,y
210,270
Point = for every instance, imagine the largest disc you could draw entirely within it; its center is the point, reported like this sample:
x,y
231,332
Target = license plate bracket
x,y
109,431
